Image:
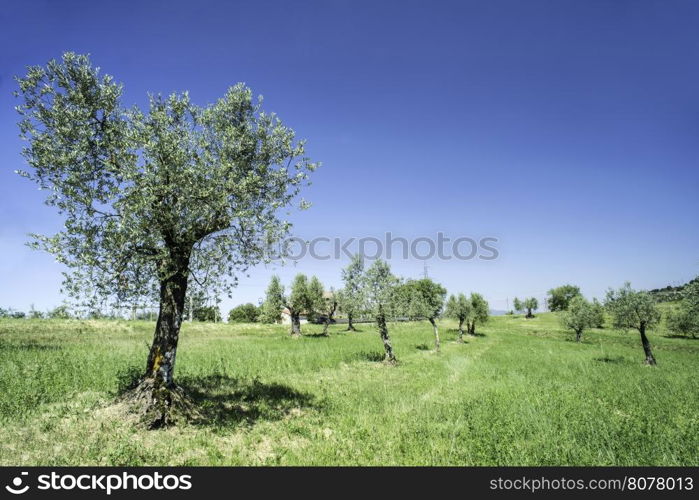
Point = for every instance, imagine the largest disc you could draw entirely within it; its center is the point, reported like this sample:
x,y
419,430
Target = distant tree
x,y
329,307
633,309
579,316
559,298
380,291
274,301
460,309
518,305
480,312
351,299
530,304
34,313
316,301
60,312
156,198
244,313
685,319
211,314
4,313
597,314
298,302
425,300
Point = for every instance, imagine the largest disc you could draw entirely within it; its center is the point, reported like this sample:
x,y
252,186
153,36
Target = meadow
x,y
521,392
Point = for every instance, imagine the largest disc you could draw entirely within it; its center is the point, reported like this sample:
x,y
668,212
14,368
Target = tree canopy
x,y
559,298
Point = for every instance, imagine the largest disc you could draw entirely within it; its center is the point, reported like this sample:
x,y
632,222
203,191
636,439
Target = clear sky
x,y
569,130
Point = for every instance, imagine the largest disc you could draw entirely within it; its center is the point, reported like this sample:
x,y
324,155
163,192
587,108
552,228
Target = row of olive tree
x,y
375,293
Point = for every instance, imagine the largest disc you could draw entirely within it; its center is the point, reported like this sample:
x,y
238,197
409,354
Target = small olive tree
x,y
425,299
351,300
597,314
298,301
684,320
530,304
380,290
155,199
274,301
460,309
518,305
480,312
579,316
633,309
329,306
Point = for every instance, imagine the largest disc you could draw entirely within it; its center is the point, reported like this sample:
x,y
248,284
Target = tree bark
x,y
383,332
650,359
325,326
160,400
161,358
350,325
578,335
461,331
472,328
436,334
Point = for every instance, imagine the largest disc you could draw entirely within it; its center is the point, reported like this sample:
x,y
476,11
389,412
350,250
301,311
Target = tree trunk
x,y
295,325
350,325
472,328
650,359
529,314
461,331
158,398
383,331
325,326
436,334
578,335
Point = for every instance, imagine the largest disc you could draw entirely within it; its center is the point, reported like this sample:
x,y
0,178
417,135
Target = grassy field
x,y
520,393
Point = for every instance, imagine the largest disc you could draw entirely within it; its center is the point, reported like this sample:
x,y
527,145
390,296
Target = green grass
x,y
521,394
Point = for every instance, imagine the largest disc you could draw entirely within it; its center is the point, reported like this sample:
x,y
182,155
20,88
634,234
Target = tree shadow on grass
x,y
685,337
28,346
613,360
367,356
422,347
224,401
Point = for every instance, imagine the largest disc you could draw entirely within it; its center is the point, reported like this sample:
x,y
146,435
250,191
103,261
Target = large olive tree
x,y
155,199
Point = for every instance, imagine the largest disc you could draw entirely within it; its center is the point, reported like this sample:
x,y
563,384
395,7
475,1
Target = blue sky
x,y
568,130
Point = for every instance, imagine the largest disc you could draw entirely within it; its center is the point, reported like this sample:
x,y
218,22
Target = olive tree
x,y
351,299
634,309
316,302
597,314
579,316
530,304
684,320
480,312
329,306
299,301
425,299
274,301
155,199
518,305
559,298
380,287
459,308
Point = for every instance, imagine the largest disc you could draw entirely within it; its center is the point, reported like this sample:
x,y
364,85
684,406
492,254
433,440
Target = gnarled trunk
x,y
461,331
160,400
326,324
472,327
650,359
350,325
578,335
436,334
383,332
